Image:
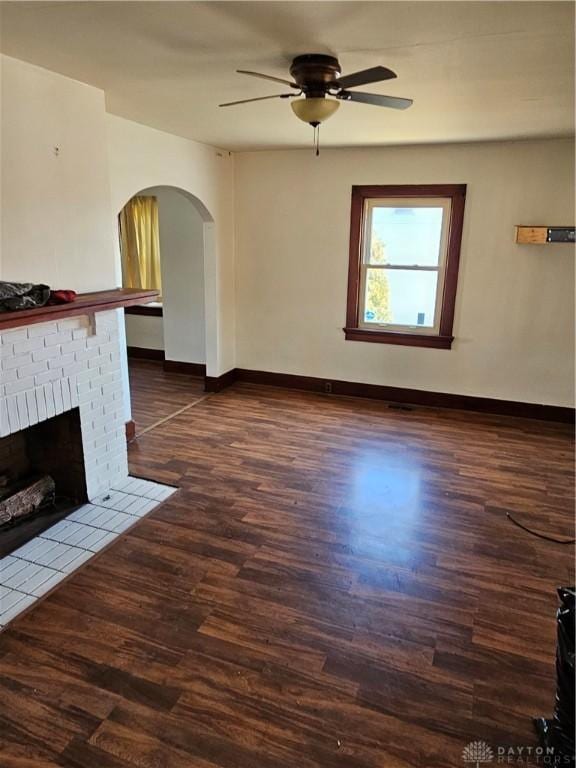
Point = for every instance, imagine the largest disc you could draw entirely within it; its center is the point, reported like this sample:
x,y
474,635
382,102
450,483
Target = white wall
x,y
141,157
514,324
182,262
57,222
144,331
56,214
182,253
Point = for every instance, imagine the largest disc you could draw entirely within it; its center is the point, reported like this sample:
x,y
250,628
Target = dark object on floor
x,y
558,733
15,296
539,535
62,297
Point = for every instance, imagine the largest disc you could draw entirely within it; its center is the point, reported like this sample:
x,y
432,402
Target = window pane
x,y
406,236
400,297
377,306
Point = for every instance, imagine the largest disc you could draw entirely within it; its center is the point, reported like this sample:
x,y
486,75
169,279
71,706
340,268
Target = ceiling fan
x,y
316,76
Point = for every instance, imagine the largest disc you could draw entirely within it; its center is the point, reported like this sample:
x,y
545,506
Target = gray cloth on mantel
x,y
22,296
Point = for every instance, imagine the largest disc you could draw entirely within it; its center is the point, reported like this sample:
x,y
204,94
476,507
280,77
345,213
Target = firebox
x,y
42,478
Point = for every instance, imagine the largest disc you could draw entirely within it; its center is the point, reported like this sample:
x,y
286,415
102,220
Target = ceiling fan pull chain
x,y
316,139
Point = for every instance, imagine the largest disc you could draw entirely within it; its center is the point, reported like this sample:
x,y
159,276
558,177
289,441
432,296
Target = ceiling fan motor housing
x,y
315,73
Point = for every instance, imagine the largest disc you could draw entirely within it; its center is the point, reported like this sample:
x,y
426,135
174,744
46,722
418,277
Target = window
x,y
404,254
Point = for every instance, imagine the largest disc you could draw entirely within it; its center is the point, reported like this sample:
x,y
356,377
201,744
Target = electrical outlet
x,y
328,387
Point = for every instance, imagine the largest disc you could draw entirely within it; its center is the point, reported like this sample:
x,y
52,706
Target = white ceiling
x,y
476,70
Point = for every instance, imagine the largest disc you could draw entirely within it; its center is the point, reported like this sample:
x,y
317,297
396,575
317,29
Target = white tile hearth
x,y
34,569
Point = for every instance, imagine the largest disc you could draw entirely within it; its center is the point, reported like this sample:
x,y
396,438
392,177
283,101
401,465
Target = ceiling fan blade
x,y
395,102
373,75
268,77
259,98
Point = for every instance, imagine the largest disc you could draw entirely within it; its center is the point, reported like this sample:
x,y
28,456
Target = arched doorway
x,y
176,331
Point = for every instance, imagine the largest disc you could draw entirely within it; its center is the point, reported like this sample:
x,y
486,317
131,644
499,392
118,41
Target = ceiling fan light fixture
x,y
314,110
317,76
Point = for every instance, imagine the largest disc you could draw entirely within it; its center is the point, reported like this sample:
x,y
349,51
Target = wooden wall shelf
x,y
543,235
85,304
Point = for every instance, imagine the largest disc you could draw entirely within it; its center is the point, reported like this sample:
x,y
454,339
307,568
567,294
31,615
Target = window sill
x,y
404,339
152,310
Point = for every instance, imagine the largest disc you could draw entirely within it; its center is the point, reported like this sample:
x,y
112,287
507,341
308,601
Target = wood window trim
x,y
444,338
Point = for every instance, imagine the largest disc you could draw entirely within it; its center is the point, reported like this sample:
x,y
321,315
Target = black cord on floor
x,y
539,535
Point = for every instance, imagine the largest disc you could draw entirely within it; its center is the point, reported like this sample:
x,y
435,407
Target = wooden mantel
x,y
85,304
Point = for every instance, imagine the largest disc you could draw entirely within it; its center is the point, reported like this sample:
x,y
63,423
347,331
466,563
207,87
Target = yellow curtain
x,y
140,243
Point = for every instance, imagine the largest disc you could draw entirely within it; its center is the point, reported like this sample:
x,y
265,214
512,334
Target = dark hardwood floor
x,y
336,584
157,394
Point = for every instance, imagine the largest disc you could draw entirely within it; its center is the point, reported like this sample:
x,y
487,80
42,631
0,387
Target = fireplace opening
x,y
42,478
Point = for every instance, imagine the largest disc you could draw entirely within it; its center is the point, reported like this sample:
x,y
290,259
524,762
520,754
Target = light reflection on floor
x,y
383,504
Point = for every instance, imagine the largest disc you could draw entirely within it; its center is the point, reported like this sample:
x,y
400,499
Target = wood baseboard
x,y
217,383
192,369
130,430
171,366
141,353
395,395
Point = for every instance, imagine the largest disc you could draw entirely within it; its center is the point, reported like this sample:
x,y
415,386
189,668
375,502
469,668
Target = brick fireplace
x,y
62,415
45,454
51,368
52,447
